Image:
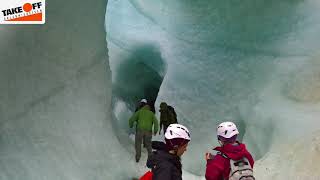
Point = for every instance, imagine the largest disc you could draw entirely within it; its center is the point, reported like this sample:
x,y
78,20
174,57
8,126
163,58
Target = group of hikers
x,y
145,119
231,162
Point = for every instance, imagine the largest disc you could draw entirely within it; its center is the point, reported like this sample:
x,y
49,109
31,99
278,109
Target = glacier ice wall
x,y
55,83
255,63
55,96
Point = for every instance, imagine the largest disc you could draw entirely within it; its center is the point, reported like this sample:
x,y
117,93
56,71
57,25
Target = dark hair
x,y
228,140
175,143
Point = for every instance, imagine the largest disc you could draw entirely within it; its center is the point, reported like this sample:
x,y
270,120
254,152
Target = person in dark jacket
x,y
218,167
165,161
167,116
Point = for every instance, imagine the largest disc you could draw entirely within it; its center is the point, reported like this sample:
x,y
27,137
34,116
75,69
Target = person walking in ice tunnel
x,y
165,161
167,116
140,105
145,120
232,161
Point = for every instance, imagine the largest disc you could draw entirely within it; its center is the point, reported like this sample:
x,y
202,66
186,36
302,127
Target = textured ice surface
x,y
255,63
55,96
297,160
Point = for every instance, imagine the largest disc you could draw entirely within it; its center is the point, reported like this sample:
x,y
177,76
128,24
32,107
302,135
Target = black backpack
x,y
171,109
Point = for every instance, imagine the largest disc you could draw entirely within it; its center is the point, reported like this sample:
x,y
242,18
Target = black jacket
x,y
165,166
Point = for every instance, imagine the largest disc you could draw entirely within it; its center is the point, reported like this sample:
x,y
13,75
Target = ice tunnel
x,y
67,88
255,63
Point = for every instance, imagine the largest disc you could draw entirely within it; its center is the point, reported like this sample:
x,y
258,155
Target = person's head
x,y
227,133
163,106
143,102
177,138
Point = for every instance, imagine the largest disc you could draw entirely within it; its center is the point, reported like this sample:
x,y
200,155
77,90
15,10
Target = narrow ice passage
x,y
254,63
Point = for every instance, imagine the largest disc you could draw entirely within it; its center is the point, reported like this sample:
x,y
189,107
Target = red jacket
x,y
218,168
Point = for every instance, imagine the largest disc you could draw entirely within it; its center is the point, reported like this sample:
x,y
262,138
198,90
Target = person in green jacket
x,y
145,120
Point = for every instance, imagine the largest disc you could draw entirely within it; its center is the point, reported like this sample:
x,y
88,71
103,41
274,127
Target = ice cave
x,y
69,86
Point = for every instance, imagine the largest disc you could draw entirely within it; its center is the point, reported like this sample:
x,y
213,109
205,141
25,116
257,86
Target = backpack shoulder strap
x,y
223,155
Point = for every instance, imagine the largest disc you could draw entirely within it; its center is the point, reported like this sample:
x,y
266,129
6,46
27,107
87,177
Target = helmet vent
x,y
225,132
177,131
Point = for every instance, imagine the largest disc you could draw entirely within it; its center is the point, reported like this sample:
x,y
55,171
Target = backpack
x,y
174,118
239,169
147,176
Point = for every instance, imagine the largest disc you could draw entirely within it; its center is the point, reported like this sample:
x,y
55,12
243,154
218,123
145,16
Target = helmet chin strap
x,y
174,151
220,142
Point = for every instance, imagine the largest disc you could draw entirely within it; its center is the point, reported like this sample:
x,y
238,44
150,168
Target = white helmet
x,y
227,129
143,101
177,131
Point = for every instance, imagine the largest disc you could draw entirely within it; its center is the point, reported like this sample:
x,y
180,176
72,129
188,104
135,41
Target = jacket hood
x,y
234,151
146,107
158,145
163,106
161,154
